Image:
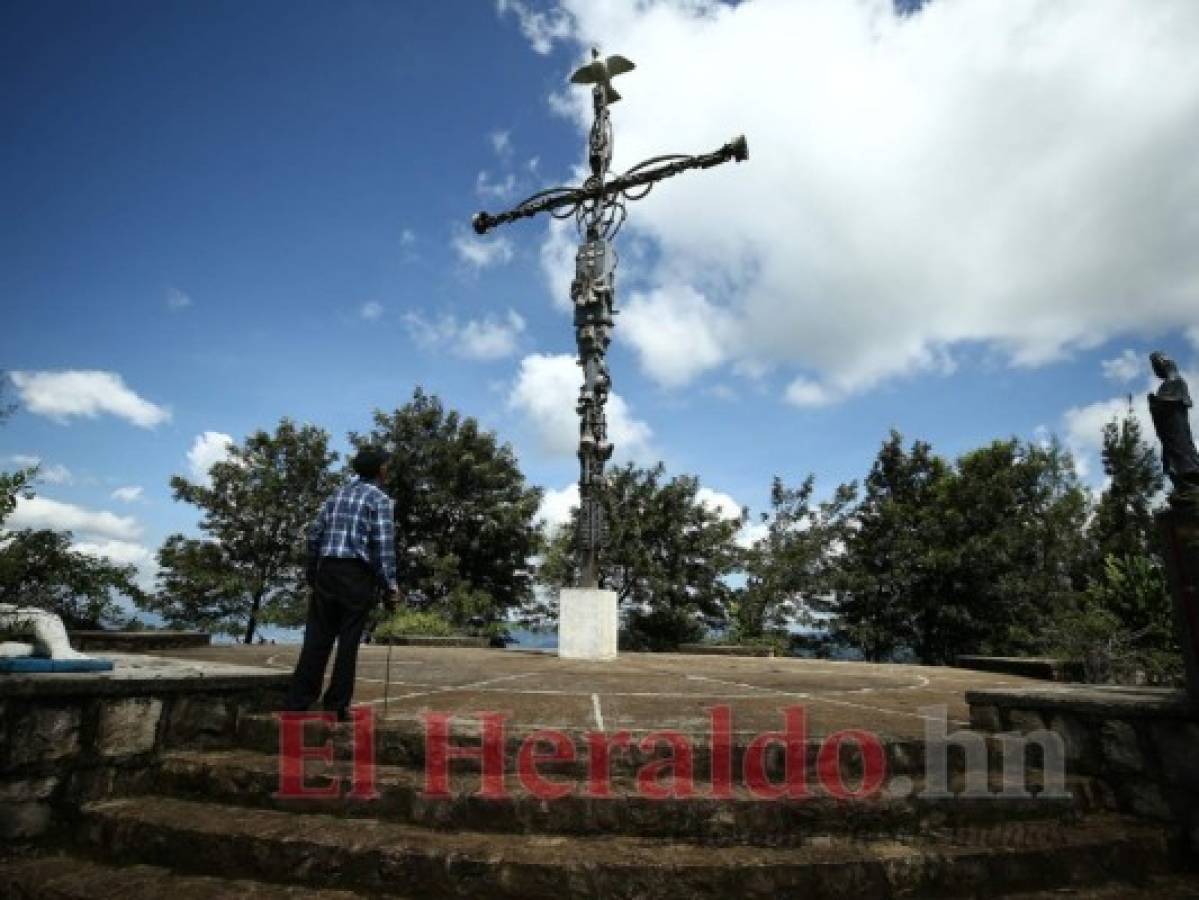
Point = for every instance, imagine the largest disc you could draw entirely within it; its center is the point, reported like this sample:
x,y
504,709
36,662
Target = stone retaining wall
x,y
137,641
65,739
419,640
725,650
1143,743
1045,668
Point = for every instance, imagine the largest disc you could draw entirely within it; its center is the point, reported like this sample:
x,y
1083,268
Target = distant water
x,y
526,639
534,640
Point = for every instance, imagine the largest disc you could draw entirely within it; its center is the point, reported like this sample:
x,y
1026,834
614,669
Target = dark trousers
x,y
342,598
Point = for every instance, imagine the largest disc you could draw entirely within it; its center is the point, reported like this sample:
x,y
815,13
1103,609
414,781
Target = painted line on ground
x,y
599,716
458,687
819,699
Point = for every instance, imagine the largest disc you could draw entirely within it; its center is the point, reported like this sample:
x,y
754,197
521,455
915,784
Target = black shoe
x,y
343,714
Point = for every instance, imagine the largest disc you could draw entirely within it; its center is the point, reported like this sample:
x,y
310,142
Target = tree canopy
x,y
249,568
464,512
667,558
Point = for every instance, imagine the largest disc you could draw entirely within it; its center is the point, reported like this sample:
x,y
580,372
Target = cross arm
x,y
642,175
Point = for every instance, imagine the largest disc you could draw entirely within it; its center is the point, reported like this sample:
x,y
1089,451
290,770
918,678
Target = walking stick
x,y
387,679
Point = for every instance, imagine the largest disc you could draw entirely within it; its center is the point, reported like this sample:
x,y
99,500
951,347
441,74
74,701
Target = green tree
x,y
1123,627
39,568
1123,523
789,569
249,568
667,559
890,558
13,485
464,512
1011,552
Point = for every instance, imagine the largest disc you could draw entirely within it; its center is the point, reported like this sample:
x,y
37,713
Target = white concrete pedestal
x,y
587,623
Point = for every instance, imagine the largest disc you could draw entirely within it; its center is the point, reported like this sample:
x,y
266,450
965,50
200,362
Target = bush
x,y
778,641
410,622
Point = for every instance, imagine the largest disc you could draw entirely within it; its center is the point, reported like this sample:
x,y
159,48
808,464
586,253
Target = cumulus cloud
x,y
43,513
1011,173
88,394
177,300
1083,425
482,339
98,533
677,332
803,392
718,502
128,494
556,507
371,310
482,252
1125,367
545,391
123,553
557,258
207,449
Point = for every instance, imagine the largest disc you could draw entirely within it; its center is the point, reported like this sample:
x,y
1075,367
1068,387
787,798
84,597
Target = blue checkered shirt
x,y
357,521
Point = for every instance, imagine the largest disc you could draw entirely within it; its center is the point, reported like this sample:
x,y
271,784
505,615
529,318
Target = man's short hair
x,y
368,461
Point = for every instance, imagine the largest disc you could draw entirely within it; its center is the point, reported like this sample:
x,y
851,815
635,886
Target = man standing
x,y
351,554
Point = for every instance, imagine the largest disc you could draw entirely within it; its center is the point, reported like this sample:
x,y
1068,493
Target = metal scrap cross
x,y
598,207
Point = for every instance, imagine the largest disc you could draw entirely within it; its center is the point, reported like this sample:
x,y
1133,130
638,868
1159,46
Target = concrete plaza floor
x,y
646,691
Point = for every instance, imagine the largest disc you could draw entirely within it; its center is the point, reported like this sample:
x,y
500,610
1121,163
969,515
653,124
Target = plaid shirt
x,y
357,521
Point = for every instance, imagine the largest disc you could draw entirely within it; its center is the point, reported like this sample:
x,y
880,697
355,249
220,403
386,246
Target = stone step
x,y
64,877
331,852
246,778
403,743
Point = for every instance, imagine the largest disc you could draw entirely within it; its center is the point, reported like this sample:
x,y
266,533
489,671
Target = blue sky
x,y
248,210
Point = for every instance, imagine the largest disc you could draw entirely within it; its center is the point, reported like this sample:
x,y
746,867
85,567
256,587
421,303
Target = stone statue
x,y
1170,408
48,634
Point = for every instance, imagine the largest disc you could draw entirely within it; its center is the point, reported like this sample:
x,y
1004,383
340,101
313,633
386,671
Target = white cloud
x,y
207,449
915,184
60,395
556,506
1125,367
1084,424
718,502
55,474
501,143
371,310
407,237
482,339
177,300
806,393
494,190
541,28
41,512
751,533
129,494
482,252
677,333
558,260
49,474
123,553
546,390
